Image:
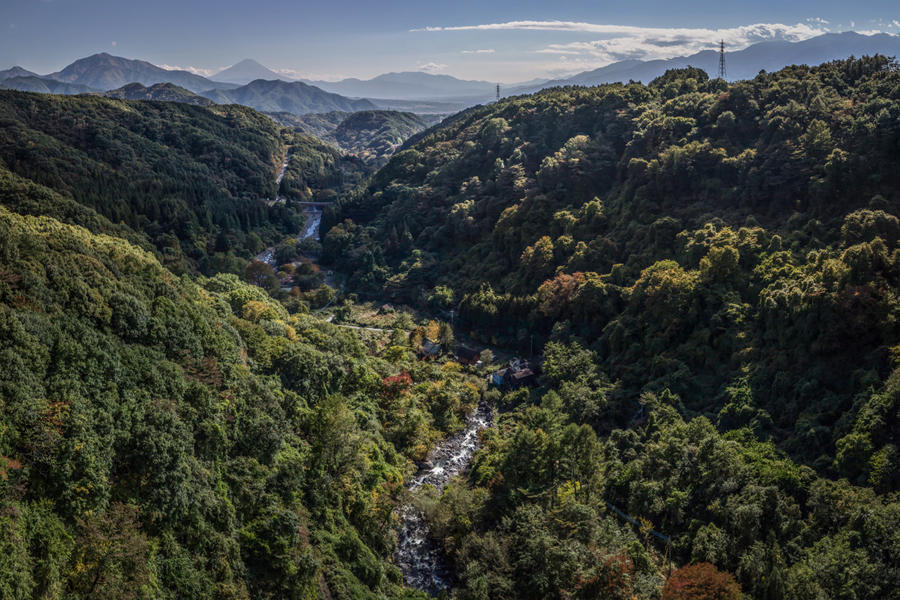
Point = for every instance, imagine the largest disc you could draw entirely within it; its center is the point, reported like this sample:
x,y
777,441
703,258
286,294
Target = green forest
x,y
170,437
705,275
192,181
370,135
719,258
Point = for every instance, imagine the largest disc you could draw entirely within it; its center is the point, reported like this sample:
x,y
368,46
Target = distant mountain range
x,y
281,96
409,85
126,78
252,84
44,85
246,71
742,64
103,72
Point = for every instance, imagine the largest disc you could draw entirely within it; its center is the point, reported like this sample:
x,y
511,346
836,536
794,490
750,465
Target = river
x,y
310,230
419,557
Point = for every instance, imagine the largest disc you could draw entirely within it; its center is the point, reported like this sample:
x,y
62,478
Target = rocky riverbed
x,y
419,557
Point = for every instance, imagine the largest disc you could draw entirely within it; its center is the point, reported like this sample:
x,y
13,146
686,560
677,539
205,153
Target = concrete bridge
x,y
282,199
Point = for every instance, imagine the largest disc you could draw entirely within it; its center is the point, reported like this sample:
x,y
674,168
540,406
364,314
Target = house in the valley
x,y
519,373
429,349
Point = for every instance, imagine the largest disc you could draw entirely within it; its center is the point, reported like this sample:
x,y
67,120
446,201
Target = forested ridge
x,y
374,135
163,437
371,135
168,435
694,234
193,180
712,272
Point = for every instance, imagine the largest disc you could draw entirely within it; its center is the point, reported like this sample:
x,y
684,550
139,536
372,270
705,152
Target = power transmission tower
x,y
722,59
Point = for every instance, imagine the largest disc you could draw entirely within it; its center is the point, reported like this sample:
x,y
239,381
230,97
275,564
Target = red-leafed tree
x,y
393,386
612,579
701,581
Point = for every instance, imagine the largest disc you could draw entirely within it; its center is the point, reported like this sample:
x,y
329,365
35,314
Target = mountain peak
x,y
103,71
248,62
245,71
16,71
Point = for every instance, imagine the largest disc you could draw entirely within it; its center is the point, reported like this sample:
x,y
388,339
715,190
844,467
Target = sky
x,y
494,40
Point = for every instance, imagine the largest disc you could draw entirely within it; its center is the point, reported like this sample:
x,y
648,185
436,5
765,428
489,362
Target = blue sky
x,y
497,40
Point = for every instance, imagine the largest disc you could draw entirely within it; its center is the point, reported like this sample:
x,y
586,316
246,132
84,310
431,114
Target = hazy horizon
x,y
505,42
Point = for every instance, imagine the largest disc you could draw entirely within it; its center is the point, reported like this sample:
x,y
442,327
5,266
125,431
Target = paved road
x,y
358,327
287,159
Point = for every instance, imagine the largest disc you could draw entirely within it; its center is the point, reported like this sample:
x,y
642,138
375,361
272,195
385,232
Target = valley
x,y
261,340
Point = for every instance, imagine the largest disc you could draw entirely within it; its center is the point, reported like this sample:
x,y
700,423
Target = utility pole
x,y
722,59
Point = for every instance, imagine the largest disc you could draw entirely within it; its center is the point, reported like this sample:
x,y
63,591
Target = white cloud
x,y
647,43
895,23
484,51
194,70
577,26
432,67
288,73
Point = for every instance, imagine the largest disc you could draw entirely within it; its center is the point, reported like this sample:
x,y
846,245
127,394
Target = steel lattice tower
x,y
722,59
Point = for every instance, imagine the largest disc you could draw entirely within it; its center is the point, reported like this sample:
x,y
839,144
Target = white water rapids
x,y
313,220
420,558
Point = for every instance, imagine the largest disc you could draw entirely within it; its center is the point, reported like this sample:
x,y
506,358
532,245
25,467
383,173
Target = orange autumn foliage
x,y
701,581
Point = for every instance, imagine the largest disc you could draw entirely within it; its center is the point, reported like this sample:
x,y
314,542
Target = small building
x,y
429,349
466,355
525,377
518,374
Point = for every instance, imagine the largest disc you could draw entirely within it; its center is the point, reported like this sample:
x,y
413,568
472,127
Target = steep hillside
x,y
195,180
710,273
281,96
374,135
321,172
371,135
320,125
692,233
169,438
704,275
